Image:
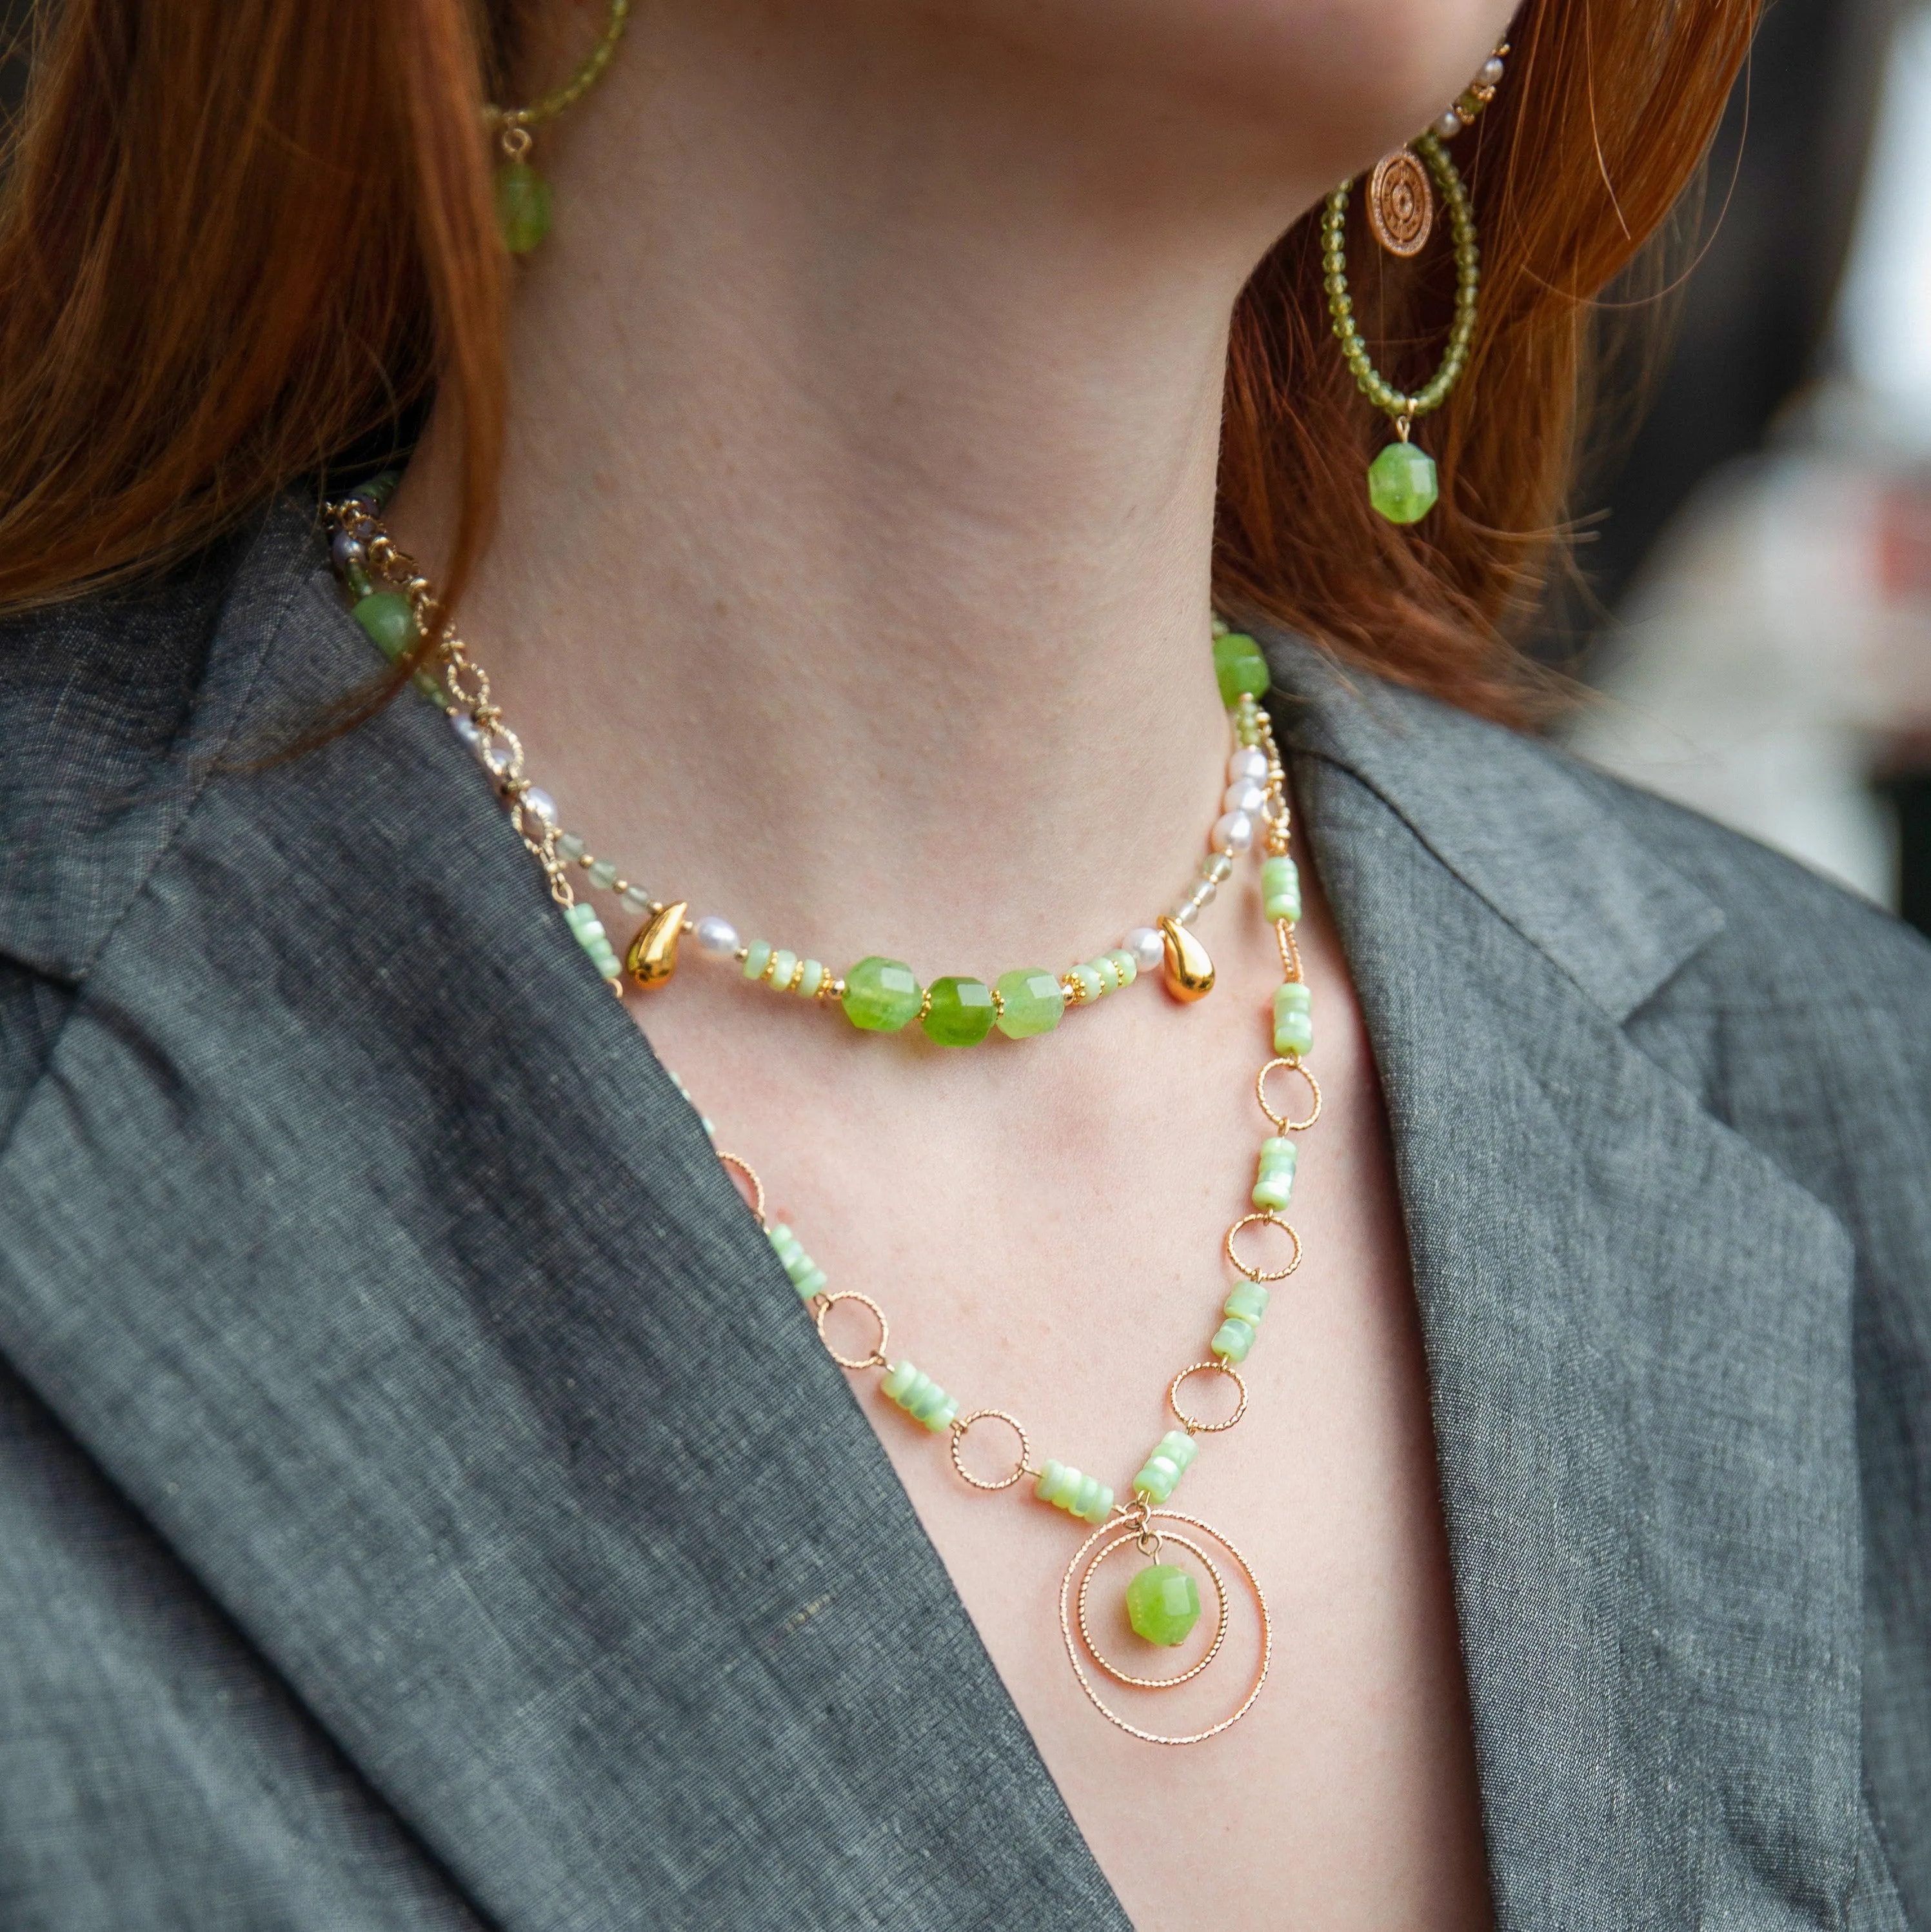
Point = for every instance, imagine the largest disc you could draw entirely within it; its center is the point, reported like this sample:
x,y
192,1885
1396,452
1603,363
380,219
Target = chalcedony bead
x,y
959,1012
1166,1463
1247,1299
1217,868
635,899
758,956
604,874
1232,1339
1163,1604
1088,981
783,963
1085,1497
1125,965
920,1397
881,995
1402,483
1293,1018
811,979
1280,890
1240,668
1274,1182
717,938
1109,973
523,207
569,847
807,1277
1030,1001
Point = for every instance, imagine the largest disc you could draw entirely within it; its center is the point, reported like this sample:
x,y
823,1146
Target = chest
x,y
1042,1230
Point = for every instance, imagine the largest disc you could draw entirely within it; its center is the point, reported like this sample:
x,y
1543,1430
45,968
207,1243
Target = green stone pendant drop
x,y
523,206
1163,1604
1402,483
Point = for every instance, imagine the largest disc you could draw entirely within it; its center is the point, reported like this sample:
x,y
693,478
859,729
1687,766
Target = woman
x,y
425,1504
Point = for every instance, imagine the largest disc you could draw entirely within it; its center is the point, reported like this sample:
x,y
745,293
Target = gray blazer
x,y
380,1548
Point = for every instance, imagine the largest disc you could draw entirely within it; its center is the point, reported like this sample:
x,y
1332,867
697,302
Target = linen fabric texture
x,y
378,1551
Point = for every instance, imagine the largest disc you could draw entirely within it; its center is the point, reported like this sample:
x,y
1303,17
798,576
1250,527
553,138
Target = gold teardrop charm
x,y
1189,969
1401,204
652,957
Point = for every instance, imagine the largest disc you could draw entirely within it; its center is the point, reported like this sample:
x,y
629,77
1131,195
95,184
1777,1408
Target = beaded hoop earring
x,y
1401,481
522,196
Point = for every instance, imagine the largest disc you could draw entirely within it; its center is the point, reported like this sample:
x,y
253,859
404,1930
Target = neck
x,y
853,571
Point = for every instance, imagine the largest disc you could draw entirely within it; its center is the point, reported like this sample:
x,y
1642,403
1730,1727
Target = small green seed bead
x,y
1232,1339
758,956
882,995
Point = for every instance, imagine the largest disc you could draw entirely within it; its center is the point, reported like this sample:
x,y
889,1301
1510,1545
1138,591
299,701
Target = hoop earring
x,y
1401,481
522,196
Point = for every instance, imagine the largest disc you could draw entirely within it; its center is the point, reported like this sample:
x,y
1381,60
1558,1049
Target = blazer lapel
x,y
1639,1337
356,1234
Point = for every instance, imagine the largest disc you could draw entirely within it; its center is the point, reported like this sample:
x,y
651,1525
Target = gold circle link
x,y
1120,1676
958,1435
877,1359
1273,1220
1192,1424
1282,1123
739,1165
1066,1628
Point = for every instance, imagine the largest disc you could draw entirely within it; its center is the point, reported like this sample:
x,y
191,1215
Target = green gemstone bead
x,y
1031,1001
522,207
1163,1604
960,1013
389,622
1248,1300
1240,667
758,956
1232,1339
881,995
1402,483
1280,890
1294,1019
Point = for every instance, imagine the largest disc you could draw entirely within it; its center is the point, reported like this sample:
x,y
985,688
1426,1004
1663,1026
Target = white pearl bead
x,y
1449,126
1233,831
539,801
716,937
1244,795
1248,766
1148,949
1491,72
464,726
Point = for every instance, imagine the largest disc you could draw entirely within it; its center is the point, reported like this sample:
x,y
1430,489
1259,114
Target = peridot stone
x,y
389,620
959,1013
881,995
1031,1001
523,206
1241,669
1402,484
1163,1604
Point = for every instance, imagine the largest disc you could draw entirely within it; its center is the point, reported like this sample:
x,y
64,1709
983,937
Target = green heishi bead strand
x,y
1280,890
1166,1463
880,994
806,1276
958,1013
523,207
1274,1184
1031,1000
921,1397
581,920
1293,1018
1241,669
1086,1497
1246,1302
1163,1604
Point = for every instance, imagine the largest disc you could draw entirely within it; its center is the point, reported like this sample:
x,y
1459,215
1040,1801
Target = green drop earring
x,y
1401,481
522,196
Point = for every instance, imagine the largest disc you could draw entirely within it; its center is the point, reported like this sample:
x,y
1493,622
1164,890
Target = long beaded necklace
x,y
397,605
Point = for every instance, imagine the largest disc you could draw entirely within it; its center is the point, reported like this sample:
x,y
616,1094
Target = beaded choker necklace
x,y
396,604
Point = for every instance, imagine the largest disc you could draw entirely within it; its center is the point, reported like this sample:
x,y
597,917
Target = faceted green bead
x,y
959,1013
1031,1001
1163,1604
389,622
1402,483
1241,669
522,207
881,995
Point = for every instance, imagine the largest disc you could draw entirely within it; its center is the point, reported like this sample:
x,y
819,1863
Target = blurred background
x,y
1755,620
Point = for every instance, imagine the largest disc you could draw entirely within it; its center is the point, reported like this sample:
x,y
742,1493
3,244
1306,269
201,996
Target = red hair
x,y
234,244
